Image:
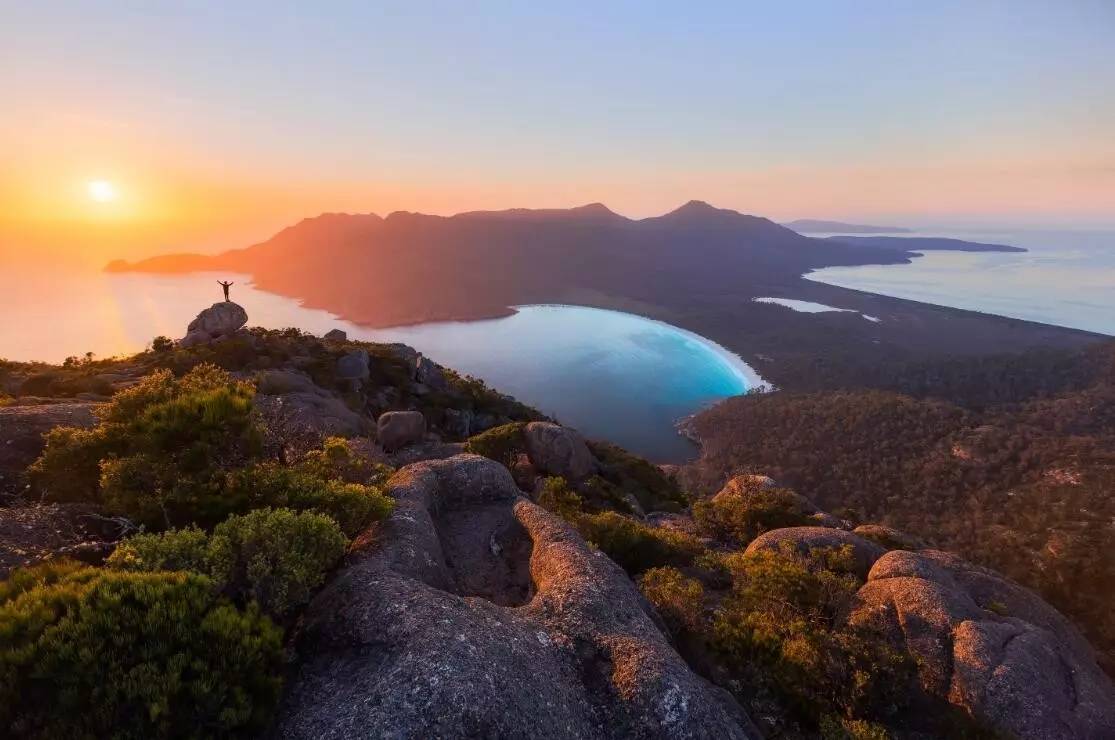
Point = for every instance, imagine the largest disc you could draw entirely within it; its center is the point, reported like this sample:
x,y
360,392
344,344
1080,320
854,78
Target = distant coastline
x,y
816,226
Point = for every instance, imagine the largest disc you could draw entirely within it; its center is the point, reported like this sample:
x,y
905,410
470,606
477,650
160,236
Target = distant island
x,y
817,226
922,244
697,267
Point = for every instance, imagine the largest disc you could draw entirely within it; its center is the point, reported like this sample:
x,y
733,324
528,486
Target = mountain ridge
x,y
697,267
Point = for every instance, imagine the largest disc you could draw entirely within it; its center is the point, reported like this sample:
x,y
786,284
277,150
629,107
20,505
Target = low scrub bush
x,y
352,505
555,495
336,460
90,652
635,546
636,476
782,615
276,558
678,599
501,444
741,518
159,453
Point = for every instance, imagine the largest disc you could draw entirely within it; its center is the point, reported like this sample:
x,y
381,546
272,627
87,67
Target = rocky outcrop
x,y
472,612
21,435
429,374
989,646
219,321
396,429
353,366
335,335
457,423
557,450
295,405
804,539
889,537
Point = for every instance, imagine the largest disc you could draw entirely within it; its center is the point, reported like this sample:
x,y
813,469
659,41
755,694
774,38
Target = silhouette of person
x,y
226,286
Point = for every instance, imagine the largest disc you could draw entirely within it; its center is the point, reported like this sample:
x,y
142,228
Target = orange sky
x,y
219,125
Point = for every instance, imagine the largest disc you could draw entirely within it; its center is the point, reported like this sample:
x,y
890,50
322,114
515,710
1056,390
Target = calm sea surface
x,y
612,375
1067,278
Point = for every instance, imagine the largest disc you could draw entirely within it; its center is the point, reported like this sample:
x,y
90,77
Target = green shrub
x,y
556,496
636,476
276,557
100,653
838,728
175,549
21,580
782,615
162,344
634,546
159,453
678,599
501,444
741,518
336,460
352,505
69,467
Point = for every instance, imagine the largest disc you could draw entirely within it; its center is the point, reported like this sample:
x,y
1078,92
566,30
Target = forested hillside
x,y
1008,460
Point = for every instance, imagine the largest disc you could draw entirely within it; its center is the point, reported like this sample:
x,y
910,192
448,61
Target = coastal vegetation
x,y
1009,461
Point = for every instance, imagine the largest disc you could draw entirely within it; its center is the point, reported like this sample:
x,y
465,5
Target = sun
x,y
101,191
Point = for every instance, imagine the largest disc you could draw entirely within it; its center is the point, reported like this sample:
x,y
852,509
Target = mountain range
x,y
698,267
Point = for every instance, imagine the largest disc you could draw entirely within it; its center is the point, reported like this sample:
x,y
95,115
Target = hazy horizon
x,y
209,128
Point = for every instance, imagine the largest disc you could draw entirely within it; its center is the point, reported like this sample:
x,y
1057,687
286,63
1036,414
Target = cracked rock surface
x,y
472,612
989,646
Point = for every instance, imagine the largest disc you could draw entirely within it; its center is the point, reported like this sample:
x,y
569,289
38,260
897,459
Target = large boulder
x,y
21,435
295,406
457,423
471,612
430,374
989,646
335,335
804,539
556,450
219,321
353,366
396,429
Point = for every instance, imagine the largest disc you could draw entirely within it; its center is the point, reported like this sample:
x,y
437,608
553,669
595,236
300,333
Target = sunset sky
x,y
212,125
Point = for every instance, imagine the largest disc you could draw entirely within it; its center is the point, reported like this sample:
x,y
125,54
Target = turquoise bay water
x,y
612,375
1067,278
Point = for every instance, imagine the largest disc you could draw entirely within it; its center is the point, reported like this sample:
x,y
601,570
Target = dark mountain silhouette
x,y
817,226
698,267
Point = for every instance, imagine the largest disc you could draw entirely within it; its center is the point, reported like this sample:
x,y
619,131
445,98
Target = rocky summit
x,y
354,541
219,321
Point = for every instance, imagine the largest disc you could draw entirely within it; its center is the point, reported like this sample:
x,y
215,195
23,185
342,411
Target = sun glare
x,y
102,191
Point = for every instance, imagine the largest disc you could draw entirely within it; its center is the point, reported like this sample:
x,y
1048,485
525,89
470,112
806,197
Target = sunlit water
x,y
810,307
612,375
1067,278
